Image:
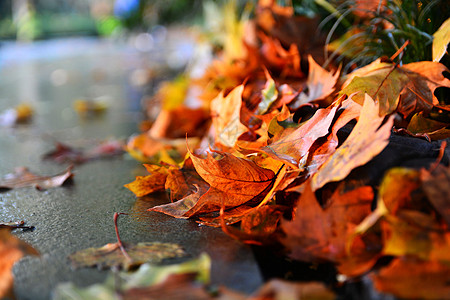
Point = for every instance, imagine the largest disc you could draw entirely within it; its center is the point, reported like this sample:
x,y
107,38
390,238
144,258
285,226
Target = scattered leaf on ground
x,y
22,177
66,154
110,255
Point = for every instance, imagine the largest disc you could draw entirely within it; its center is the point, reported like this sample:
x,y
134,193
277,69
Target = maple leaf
x,y
408,89
231,181
238,176
411,278
435,130
366,140
11,250
110,255
22,177
423,79
320,152
147,149
320,84
225,112
317,234
144,185
294,147
381,81
181,182
124,255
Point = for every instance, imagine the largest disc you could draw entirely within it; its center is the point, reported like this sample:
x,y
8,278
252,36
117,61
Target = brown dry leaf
x,y
225,112
22,177
258,225
411,278
320,84
319,153
294,147
11,250
366,140
144,185
436,130
204,199
110,255
316,233
64,153
437,187
181,182
241,178
423,79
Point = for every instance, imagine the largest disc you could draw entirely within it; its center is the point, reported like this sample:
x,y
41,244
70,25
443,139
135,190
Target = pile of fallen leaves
x,y
271,147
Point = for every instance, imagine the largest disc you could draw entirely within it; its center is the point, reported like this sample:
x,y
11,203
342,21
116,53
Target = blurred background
x,y
41,19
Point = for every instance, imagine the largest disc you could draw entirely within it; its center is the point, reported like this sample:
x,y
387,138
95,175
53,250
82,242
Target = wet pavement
x,y
50,75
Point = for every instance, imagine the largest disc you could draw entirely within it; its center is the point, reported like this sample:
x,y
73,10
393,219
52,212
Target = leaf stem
x,y
119,241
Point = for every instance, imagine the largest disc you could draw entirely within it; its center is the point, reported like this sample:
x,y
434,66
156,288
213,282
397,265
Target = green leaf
x,y
269,95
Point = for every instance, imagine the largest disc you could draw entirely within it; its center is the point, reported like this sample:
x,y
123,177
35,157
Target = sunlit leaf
x,y
234,175
294,147
320,83
366,140
384,84
226,117
441,40
144,185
